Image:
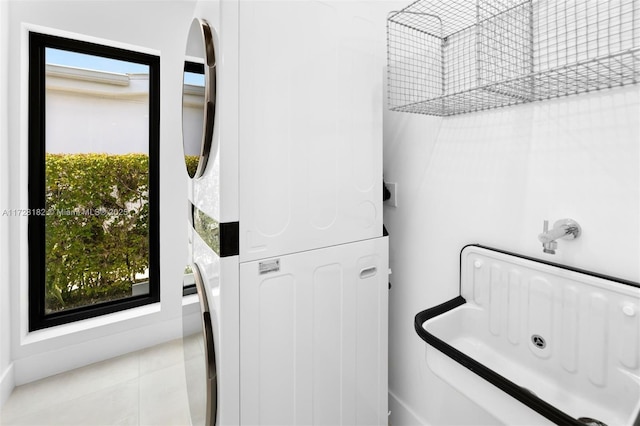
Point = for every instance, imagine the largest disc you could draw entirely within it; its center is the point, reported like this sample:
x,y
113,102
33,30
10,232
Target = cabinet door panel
x,y
314,337
310,117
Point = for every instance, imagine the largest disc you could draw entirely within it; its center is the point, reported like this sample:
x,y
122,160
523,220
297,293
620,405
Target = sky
x,y
99,63
92,62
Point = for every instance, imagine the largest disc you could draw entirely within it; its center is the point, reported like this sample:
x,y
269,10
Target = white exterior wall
x,y
192,121
99,112
130,25
88,116
492,178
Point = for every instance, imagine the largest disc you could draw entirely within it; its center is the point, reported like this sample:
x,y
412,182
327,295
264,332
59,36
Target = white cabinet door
x,y
313,337
310,120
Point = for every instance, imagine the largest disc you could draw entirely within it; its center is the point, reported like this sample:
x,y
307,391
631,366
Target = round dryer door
x,y
199,356
199,98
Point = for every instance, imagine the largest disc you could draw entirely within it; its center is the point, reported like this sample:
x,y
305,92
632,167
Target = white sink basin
x,y
533,342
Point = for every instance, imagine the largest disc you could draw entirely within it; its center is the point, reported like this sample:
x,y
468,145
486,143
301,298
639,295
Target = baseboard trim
x,y
7,383
402,415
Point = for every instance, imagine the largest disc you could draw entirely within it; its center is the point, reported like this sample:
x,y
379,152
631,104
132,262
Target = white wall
x,y
97,111
126,24
95,116
492,178
6,377
193,117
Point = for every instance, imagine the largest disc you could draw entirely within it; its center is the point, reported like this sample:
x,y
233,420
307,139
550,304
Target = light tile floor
x,y
142,388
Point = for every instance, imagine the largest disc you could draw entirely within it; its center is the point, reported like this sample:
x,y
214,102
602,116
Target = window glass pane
x,y
97,180
194,79
188,281
192,114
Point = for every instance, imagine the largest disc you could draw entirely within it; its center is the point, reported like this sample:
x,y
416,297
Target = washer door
x,y
199,358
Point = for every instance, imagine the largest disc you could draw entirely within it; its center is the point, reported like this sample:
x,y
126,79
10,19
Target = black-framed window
x,y
94,131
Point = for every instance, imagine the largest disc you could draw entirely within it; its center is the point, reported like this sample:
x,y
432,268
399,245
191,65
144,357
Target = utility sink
x,y
534,342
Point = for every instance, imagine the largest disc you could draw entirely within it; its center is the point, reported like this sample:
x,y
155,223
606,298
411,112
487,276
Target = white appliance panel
x,y
310,120
299,165
216,192
313,337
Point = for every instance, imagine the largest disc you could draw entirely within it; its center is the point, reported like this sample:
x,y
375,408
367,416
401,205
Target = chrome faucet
x,y
564,228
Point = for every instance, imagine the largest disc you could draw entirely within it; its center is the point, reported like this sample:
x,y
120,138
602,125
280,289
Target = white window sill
x,y
190,299
91,323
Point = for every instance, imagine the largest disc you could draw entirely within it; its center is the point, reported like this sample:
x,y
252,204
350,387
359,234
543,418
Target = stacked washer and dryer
x,y
285,216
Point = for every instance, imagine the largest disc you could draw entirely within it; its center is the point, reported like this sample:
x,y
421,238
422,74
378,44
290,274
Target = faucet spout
x,y
558,232
563,229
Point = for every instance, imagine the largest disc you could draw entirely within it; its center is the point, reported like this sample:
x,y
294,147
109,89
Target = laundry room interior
x,y
320,212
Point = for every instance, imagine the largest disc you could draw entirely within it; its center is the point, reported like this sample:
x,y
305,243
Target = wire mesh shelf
x,y
448,57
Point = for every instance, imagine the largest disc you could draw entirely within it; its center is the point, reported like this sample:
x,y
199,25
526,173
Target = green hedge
x,y
191,162
97,227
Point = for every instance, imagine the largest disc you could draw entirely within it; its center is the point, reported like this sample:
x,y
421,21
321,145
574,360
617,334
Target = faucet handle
x,y
545,226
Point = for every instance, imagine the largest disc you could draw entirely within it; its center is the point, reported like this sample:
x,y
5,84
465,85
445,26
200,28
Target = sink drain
x,y
538,341
591,422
